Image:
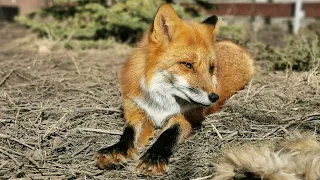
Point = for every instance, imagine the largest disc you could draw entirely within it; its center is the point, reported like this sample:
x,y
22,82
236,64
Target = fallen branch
x,y
6,77
80,150
116,132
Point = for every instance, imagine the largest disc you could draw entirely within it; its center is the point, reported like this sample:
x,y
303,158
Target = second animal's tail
x,y
297,159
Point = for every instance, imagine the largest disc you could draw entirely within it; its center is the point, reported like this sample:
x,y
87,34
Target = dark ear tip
x,y
211,20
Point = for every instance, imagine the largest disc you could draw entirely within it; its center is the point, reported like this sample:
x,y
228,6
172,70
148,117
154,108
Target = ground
x,y
58,107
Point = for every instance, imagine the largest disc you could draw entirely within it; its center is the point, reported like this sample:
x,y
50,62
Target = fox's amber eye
x,y
211,68
188,65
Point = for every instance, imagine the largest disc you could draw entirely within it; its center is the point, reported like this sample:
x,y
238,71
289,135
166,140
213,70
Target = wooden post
x,y
298,15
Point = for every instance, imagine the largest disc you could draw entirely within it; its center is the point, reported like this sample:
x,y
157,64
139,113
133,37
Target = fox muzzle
x,y
213,97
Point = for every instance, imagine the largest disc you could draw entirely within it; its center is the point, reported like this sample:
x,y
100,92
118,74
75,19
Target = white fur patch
x,y
157,99
215,82
198,95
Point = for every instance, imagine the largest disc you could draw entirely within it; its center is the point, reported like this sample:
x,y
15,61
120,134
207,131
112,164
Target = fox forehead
x,y
195,42
194,53
197,33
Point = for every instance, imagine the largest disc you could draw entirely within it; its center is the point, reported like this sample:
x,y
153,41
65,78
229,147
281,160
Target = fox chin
x,y
177,74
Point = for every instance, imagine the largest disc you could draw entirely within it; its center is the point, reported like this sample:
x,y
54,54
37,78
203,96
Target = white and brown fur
x,y
295,159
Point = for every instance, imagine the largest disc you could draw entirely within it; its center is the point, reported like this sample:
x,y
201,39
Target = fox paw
x,y
113,156
153,164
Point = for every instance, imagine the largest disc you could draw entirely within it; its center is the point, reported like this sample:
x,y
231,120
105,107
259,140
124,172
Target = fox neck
x,y
159,98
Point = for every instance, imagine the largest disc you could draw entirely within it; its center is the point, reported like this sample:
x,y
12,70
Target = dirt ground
x,y
58,107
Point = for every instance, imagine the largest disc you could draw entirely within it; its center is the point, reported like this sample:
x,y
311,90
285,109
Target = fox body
x,y
177,74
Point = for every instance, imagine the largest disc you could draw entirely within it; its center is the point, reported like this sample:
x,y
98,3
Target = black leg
x,y
112,156
155,161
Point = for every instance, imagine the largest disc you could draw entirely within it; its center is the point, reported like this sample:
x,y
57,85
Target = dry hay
x,y
58,108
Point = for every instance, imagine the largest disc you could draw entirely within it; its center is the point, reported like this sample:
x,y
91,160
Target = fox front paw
x,y
113,156
153,164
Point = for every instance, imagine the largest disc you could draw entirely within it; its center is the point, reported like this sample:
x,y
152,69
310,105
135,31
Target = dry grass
x,y
58,107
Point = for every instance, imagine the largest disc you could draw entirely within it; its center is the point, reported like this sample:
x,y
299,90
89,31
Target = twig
x,y
248,91
219,135
101,131
260,138
3,136
299,117
231,135
6,77
49,176
271,132
85,109
75,64
81,149
203,178
16,117
20,154
52,174
87,173
3,164
23,77
5,121
5,172
284,129
292,118
99,109
10,156
258,91
54,125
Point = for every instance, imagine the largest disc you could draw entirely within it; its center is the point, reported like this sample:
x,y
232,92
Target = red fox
x,y
176,75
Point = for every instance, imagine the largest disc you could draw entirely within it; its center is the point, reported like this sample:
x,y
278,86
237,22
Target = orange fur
x,y
166,80
234,70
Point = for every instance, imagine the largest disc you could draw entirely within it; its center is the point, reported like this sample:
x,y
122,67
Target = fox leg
x,y
155,161
137,131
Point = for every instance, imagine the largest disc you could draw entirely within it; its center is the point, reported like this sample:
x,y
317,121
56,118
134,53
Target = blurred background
x,y
100,23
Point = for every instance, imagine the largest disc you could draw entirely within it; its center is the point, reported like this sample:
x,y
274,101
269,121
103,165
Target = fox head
x,y
181,56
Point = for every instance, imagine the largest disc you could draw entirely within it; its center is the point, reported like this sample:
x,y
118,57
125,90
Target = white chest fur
x,y
158,99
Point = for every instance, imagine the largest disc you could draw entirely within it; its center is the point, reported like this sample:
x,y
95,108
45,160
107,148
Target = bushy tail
x,y
297,159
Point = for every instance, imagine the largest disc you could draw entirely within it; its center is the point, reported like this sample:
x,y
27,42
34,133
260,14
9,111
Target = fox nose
x,y
213,97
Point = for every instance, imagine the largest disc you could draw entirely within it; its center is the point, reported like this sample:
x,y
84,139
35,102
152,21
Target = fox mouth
x,y
182,89
195,102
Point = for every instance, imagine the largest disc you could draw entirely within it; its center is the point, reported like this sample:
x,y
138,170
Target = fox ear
x,y
165,24
212,21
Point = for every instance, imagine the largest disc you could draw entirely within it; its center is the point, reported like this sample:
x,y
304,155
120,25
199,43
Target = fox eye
x,y
188,65
211,68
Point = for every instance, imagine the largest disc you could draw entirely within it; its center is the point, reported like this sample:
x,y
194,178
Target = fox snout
x,y
213,97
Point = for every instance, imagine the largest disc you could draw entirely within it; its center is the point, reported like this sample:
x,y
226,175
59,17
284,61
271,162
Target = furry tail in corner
x,y
297,159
